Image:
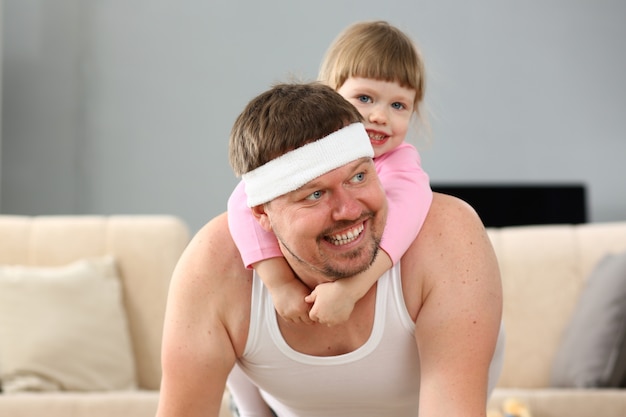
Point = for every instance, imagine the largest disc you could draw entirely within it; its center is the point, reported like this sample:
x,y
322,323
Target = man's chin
x,y
350,266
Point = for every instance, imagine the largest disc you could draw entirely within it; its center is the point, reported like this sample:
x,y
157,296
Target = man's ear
x,y
262,217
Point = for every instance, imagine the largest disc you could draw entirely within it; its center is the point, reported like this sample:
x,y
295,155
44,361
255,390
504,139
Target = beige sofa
x,y
544,269
145,250
544,272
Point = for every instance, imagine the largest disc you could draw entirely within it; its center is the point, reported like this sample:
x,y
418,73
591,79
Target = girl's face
x,y
386,107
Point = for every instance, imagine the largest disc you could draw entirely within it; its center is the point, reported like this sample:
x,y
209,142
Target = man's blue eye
x,y
360,177
316,195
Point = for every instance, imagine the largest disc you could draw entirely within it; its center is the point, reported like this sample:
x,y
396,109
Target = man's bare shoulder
x,y
449,222
212,249
453,212
214,245
206,322
212,275
452,235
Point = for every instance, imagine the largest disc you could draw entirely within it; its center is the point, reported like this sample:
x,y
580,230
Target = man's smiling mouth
x,y
346,237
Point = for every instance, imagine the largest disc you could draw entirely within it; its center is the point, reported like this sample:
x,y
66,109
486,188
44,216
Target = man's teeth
x,y
347,237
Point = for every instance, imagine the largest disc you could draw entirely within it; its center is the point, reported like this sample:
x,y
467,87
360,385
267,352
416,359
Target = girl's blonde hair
x,y
374,50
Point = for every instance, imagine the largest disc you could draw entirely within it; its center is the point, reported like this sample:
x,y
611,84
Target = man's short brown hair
x,y
284,118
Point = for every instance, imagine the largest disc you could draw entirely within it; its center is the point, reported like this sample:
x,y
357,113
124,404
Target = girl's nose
x,y
378,115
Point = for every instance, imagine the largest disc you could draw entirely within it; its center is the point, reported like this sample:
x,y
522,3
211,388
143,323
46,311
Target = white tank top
x,y
369,381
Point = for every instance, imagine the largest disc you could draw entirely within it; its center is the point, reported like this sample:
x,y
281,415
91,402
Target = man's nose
x,y
345,205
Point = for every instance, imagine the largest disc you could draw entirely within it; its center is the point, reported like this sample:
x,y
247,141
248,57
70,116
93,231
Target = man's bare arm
x,y
200,332
460,309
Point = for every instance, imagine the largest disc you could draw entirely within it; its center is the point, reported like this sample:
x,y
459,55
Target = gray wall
x,y
124,106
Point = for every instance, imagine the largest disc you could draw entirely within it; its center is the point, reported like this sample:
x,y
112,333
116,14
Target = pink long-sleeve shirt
x,y
409,196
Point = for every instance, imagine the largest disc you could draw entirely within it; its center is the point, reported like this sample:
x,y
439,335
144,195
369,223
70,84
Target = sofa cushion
x,y
64,328
593,349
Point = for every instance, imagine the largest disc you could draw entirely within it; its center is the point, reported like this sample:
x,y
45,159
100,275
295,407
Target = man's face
x,y
333,224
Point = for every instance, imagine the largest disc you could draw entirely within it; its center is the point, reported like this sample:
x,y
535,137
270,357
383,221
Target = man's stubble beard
x,y
327,268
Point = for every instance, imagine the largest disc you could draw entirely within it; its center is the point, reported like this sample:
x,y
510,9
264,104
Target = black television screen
x,y
501,205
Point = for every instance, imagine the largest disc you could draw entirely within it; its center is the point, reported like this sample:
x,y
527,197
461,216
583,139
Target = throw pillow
x,y
64,328
593,350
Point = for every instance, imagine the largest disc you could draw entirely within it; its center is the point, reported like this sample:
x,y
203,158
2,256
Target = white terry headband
x,y
292,170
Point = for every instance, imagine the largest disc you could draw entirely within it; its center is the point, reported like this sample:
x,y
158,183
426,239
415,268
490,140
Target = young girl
x,y
379,70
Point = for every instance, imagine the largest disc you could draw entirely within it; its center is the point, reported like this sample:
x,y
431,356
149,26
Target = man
x,y
422,340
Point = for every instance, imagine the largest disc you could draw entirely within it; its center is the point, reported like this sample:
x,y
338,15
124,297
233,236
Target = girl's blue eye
x,y
397,106
364,99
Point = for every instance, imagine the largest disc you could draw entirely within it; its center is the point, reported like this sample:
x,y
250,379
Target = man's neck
x,y
309,276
